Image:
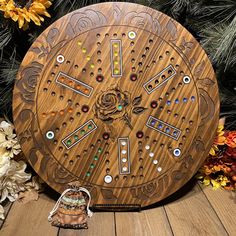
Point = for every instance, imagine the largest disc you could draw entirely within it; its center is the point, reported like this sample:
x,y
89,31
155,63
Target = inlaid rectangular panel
x,y
79,134
163,127
159,79
116,57
74,84
124,155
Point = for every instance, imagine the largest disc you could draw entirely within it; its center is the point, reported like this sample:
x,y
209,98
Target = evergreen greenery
x,y
212,22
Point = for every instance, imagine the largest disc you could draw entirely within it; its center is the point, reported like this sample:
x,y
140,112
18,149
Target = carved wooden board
x,y
120,97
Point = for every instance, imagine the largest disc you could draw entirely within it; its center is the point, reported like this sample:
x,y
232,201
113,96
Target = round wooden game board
x,y
120,97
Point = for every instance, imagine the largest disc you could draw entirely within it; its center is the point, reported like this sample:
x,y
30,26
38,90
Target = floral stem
x,y
127,121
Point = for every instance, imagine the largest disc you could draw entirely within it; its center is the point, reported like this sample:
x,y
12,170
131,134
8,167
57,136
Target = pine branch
x,y
5,37
220,43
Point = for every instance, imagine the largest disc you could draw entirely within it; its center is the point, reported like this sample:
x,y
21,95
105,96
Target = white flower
x,y
8,129
13,181
2,137
15,149
4,162
2,217
8,139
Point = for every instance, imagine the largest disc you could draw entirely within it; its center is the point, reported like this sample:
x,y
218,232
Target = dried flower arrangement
x,y
219,170
15,182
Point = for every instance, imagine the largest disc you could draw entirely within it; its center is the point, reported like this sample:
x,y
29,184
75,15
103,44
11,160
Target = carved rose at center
x,y
111,104
114,104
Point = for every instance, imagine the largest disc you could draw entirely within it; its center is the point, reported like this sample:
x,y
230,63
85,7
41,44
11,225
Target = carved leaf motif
x,y
156,27
138,110
137,101
58,174
33,156
40,56
178,175
207,106
52,36
55,49
200,146
206,82
117,12
69,30
199,68
171,28
108,121
192,61
24,137
187,44
35,50
108,194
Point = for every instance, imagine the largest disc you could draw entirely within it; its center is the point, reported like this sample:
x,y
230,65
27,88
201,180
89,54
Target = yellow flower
x,y
220,139
223,180
220,181
206,181
215,184
213,150
24,14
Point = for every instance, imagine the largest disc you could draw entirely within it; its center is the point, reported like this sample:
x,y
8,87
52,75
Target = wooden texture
x,y
120,97
145,223
193,215
29,219
190,212
224,203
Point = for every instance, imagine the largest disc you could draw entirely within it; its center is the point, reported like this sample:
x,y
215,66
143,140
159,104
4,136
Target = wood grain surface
x,y
30,218
224,203
147,222
192,211
201,220
120,97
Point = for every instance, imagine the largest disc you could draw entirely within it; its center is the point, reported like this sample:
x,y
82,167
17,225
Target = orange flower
x,y
211,169
231,139
220,139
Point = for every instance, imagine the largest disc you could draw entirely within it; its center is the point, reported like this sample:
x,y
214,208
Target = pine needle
x,y
220,43
5,37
